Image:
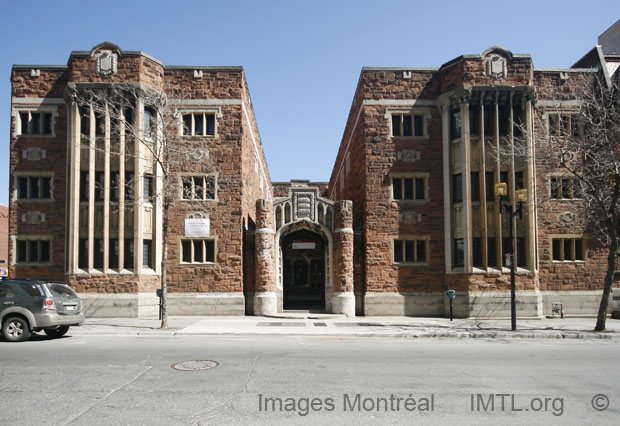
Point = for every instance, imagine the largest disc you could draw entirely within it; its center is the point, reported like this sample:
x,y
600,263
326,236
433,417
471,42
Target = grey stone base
x,y
482,304
343,303
146,305
399,304
265,303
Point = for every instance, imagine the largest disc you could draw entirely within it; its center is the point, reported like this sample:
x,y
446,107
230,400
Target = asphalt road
x,y
277,380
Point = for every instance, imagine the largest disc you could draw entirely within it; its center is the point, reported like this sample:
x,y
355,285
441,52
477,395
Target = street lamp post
x,y
501,191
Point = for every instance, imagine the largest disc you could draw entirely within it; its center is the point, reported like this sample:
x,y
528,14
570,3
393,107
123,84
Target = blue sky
x,y
302,58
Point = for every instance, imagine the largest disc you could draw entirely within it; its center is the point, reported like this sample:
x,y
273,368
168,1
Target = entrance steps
x,y
304,314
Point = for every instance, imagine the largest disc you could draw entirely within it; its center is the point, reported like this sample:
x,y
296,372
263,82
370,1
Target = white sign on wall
x,y
303,245
197,228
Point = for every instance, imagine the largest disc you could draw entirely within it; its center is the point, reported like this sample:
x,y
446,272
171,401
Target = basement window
x,y
568,250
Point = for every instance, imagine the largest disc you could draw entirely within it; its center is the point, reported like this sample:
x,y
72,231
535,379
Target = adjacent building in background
x,y
409,211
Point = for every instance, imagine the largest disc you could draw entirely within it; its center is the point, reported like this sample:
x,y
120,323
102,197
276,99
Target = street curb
x,y
419,335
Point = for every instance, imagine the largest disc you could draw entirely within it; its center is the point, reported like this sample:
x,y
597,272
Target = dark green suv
x,y
28,306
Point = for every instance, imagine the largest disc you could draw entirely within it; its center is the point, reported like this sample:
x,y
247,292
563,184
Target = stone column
x,y
343,299
265,299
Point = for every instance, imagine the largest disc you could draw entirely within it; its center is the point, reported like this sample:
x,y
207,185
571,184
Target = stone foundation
x,y
482,304
146,305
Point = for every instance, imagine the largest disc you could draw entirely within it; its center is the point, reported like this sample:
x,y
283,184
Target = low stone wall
x,y
146,305
484,304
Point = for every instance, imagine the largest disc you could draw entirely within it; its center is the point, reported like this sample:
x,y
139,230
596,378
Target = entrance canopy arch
x,y
325,261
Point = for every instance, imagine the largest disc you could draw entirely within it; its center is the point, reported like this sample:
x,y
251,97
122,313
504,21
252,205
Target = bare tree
x,y
161,141
582,142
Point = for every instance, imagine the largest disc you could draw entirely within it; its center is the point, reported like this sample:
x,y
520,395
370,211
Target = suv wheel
x,y
56,332
16,329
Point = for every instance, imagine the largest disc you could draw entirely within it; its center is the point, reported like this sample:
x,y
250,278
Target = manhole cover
x,y
194,365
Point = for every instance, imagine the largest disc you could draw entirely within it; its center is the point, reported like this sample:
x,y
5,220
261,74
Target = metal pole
x,y
513,304
450,309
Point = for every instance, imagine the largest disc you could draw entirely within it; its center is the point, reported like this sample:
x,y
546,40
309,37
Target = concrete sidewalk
x,y
338,326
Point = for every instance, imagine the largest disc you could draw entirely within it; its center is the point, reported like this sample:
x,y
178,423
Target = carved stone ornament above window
x,y
409,155
496,67
568,217
33,218
198,154
410,218
33,154
105,62
303,205
197,215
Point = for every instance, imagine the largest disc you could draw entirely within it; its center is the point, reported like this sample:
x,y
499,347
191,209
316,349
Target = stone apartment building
x,y
409,211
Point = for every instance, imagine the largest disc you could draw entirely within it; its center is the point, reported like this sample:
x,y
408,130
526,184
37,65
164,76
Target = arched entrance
x,y
303,270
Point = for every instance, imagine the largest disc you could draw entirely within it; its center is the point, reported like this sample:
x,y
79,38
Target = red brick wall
x,y
50,84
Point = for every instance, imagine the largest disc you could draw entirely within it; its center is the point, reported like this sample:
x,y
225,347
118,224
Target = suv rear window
x,y
61,290
32,290
6,291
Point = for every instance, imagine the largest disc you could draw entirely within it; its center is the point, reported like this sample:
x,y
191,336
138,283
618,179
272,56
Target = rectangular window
x,y
521,259
35,123
418,125
503,177
489,185
147,253
130,185
129,115
128,255
564,188
115,186
198,251
84,175
407,124
475,186
457,188
410,251
517,121
198,188
491,252
199,124
409,188
519,182
568,249
98,254
84,121
459,253
149,122
33,251
455,124
488,122
474,121
34,188
476,249
503,120
99,124
99,185
113,253
148,187
83,253
506,244
564,125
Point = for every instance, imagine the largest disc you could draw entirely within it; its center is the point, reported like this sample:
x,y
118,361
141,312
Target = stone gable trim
x,y
30,102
